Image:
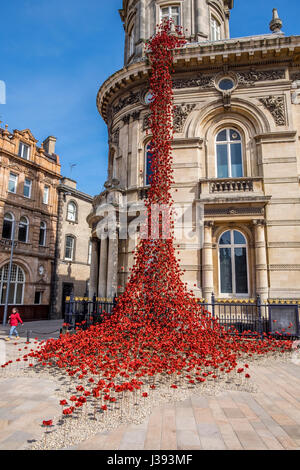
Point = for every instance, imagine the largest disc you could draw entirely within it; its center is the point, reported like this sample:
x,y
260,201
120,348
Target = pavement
x,y
44,329
232,420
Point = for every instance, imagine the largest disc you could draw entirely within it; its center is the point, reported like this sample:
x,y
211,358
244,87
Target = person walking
x,y
14,320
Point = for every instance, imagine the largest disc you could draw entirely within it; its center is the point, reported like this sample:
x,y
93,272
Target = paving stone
x,y
233,413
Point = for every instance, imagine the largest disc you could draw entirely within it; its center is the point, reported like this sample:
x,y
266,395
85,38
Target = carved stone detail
x,y
146,121
234,211
128,100
115,137
249,78
200,81
275,104
126,119
180,116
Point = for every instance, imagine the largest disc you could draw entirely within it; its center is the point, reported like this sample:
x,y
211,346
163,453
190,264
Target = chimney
x,y
49,145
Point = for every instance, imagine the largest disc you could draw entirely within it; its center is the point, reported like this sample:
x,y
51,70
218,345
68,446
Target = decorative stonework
x,y
275,104
115,137
180,116
295,75
249,78
146,122
133,98
126,118
234,211
200,81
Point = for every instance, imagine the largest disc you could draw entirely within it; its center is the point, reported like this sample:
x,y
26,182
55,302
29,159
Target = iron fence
x,y
83,312
248,317
251,316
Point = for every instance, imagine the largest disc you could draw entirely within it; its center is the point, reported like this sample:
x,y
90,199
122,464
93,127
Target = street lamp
x,y
13,244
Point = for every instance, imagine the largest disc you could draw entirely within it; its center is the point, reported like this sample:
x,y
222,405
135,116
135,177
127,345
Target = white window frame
x,y
228,142
70,219
90,247
14,180
46,195
11,220
131,41
26,223
22,148
29,186
170,14
43,227
15,270
215,29
73,246
232,247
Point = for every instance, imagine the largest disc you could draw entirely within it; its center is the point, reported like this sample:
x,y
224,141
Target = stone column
x,y
201,20
93,269
103,267
261,268
112,268
207,261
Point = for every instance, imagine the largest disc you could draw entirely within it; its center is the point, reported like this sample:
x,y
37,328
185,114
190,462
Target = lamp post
x,y
12,242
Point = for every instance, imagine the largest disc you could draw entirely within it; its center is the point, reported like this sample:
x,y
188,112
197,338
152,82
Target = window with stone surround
x,y
131,41
23,230
148,164
69,248
16,287
215,29
72,211
12,183
7,226
229,155
170,12
24,151
43,232
233,264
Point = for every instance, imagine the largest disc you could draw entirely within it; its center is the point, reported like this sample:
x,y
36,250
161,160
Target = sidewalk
x,y
232,420
44,329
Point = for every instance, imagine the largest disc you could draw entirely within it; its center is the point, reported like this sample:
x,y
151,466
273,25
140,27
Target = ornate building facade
x,y
29,176
236,150
73,246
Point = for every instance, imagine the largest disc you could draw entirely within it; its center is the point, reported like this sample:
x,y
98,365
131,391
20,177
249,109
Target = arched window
x,y
69,248
23,230
233,263
16,287
229,154
148,164
7,226
72,212
215,29
43,231
131,41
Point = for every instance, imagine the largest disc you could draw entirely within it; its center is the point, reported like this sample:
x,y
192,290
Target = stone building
x,y
73,246
29,176
236,150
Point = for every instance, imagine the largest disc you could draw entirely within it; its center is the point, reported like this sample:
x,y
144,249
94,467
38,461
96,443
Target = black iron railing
x,y
277,317
83,312
248,317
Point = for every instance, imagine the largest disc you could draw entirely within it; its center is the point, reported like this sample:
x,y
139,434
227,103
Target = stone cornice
x,y
27,163
239,52
75,193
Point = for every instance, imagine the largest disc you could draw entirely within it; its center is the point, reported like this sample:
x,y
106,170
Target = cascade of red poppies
x,y
157,329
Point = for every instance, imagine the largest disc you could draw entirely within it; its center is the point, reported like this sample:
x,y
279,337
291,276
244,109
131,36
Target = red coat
x,y
14,319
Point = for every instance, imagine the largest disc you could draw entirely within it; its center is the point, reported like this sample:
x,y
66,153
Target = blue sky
x,y
56,54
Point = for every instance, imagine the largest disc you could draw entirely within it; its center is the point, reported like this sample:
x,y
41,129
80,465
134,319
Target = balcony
x,y
230,187
223,197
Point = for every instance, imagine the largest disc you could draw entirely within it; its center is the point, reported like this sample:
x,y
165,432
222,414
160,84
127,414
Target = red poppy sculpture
x,y
158,331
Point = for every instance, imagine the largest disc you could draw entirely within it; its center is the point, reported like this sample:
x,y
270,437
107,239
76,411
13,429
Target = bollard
x,y
28,336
